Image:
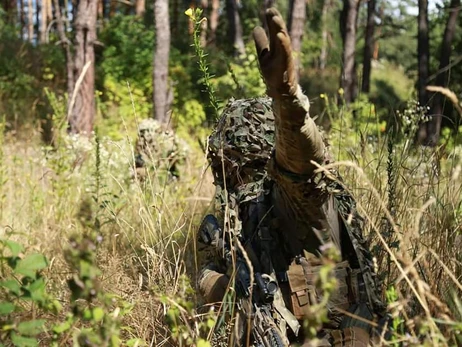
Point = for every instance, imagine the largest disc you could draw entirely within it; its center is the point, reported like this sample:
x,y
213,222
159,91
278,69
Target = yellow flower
x,y
322,96
340,91
189,13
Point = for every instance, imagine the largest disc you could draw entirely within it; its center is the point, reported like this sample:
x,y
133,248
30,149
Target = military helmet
x,y
242,142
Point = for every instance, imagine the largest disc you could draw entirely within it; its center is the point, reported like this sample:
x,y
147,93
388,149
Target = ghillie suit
x,y
253,202
281,214
158,150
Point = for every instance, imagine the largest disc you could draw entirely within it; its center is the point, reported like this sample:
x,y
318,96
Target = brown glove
x,y
275,56
213,285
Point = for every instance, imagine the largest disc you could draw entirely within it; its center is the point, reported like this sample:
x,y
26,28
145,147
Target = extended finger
x,y
272,27
261,41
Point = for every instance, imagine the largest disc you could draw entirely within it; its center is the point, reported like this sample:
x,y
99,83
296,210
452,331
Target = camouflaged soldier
x,y
158,148
262,155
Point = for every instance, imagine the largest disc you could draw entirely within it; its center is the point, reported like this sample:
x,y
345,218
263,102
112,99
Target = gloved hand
x,y
275,56
213,285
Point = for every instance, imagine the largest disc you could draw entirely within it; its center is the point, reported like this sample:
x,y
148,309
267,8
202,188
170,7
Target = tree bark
x,y
203,37
348,24
67,50
235,31
30,21
368,47
296,29
214,16
22,18
161,59
423,58
140,8
434,125
43,21
82,112
10,8
323,56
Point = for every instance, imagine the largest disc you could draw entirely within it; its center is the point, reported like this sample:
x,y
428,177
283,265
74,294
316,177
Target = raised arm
x,y
298,141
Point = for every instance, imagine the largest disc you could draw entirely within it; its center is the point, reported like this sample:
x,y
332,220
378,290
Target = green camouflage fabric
x,y
241,153
158,149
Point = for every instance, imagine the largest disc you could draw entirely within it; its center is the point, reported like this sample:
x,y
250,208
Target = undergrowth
x,y
91,256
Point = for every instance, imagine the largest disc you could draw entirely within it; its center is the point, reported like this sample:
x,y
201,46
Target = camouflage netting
x,y
158,148
242,142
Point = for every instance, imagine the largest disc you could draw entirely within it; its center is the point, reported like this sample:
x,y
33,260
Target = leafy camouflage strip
x,y
242,141
354,223
159,148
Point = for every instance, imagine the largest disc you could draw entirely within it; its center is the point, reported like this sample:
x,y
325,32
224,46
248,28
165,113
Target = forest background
x,y
93,255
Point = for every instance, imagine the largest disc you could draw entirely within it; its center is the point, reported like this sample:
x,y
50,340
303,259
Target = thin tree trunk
x,y
100,9
10,7
43,21
22,18
82,112
296,29
368,47
30,21
434,126
203,37
67,50
235,27
214,15
112,8
423,58
161,59
140,8
348,28
323,56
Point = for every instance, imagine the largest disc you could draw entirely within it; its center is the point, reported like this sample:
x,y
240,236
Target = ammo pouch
x,y
302,277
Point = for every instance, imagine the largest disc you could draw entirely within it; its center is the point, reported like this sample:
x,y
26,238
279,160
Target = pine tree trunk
x,y
296,29
140,8
214,16
423,56
434,126
43,21
203,37
67,49
368,46
22,18
82,112
161,60
30,21
235,27
323,56
11,10
348,24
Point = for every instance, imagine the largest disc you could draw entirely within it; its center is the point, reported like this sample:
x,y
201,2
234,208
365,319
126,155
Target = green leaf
x,y
14,247
6,308
32,327
203,343
37,290
21,341
98,314
60,328
31,264
135,343
12,285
